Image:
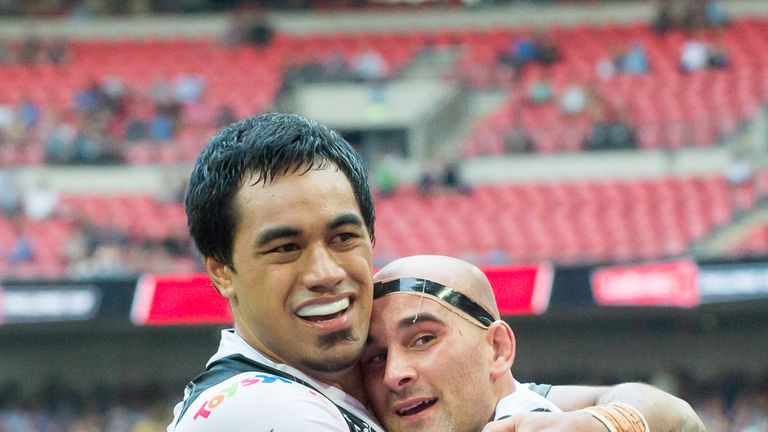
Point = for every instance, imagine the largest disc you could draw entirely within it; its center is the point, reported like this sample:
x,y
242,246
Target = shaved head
x,y
452,272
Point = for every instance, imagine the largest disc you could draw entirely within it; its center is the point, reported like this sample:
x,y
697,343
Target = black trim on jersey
x,y
229,366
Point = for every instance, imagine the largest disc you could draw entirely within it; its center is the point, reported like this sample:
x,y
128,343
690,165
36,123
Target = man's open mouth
x,y
415,408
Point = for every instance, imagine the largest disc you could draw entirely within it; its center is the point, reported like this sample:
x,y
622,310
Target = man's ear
x,y
221,276
502,342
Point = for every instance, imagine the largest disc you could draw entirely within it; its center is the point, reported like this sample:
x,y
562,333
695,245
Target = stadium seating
x,y
565,222
587,221
667,108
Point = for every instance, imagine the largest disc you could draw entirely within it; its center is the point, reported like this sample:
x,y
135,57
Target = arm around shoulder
x,y
663,411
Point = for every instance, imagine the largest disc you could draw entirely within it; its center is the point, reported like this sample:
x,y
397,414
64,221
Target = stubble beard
x,y
334,365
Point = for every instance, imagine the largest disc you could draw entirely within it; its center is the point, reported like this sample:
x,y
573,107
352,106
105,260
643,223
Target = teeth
x,y
324,309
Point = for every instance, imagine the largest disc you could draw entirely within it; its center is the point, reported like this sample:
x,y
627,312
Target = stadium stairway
x,y
731,238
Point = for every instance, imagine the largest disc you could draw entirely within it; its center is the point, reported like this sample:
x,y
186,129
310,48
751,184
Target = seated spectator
x,y
369,65
635,61
7,120
21,251
547,52
611,128
10,194
60,142
28,113
716,15
520,52
540,91
698,54
573,100
695,55
607,67
41,201
452,177
718,55
188,88
385,173
334,67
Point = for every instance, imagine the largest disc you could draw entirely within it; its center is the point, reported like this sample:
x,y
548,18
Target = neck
x,y
505,386
347,380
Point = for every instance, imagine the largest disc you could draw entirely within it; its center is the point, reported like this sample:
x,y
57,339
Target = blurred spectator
x,y
60,142
251,27
7,119
58,52
34,50
547,52
385,172
162,91
113,92
716,15
694,56
10,194
162,126
21,250
607,67
610,126
188,88
107,260
451,177
334,67
90,99
41,201
540,91
369,65
520,52
718,54
688,14
540,47
28,113
573,100
635,62
739,169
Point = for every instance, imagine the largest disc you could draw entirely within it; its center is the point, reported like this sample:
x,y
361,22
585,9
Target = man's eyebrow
x,y
346,219
417,318
407,322
271,234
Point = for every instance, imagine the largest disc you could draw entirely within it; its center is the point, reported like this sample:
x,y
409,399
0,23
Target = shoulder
x,y
260,401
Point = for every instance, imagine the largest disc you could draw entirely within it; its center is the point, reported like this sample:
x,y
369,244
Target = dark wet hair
x,y
260,149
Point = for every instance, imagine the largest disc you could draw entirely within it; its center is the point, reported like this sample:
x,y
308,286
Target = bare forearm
x,y
664,412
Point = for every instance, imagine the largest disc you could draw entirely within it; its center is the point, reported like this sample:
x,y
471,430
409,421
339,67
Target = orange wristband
x,y
619,417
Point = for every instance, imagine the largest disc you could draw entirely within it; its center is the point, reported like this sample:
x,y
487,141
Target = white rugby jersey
x,y
525,398
243,390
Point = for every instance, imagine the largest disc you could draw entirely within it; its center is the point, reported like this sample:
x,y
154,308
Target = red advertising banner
x,y
178,299
190,299
657,284
521,290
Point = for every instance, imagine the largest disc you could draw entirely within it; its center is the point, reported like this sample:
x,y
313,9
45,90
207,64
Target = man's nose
x,y
323,270
398,372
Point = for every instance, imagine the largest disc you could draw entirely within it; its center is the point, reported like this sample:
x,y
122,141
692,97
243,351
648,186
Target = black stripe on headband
x,y
444,293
